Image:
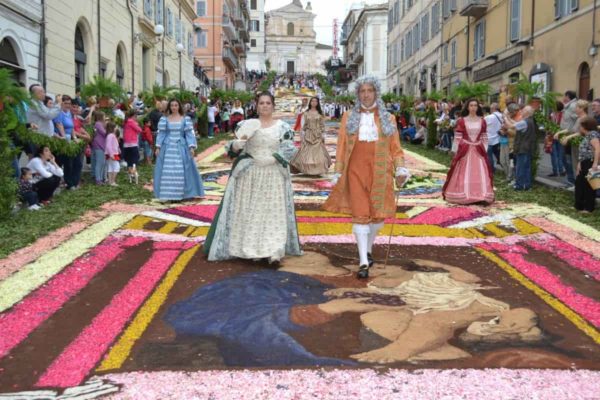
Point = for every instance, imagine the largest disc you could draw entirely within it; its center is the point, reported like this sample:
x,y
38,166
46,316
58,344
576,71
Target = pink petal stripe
x,y
364,384
206,211
586,307
567,234
76,361
441,215
17,323
417,241
570,254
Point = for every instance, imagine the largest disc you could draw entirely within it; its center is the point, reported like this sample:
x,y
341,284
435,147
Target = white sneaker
x,y
34,207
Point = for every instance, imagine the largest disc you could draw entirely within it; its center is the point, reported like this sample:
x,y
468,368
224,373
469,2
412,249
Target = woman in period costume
x,y
299,112
470,178
313,158
175,174
368,158
256,218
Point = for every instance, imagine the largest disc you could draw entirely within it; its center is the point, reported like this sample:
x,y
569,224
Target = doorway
x,y
291,67
584,81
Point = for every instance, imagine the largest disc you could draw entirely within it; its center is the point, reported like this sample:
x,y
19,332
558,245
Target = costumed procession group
x,y
256,218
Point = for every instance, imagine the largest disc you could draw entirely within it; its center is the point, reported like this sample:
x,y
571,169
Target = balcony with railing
x,y
473,8
230,57
357,54
228,27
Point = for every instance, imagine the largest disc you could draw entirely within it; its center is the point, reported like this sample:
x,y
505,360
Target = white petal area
x,y
174,218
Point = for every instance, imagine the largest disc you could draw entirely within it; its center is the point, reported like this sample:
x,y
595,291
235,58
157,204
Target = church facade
x,y
291,43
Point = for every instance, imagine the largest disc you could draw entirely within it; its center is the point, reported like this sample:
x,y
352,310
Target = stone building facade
x,y
21,38
291,39
117,38
364,41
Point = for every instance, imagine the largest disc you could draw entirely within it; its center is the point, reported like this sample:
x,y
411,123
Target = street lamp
x,y
180,48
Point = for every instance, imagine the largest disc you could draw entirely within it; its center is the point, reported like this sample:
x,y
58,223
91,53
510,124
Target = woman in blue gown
x,y
176,176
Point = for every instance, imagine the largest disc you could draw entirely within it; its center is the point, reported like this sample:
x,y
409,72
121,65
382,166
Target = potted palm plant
x,y
103,89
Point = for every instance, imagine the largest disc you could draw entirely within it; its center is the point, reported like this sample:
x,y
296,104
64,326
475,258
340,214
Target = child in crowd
x,y
131,150
225,120
26,192
147,141
112,152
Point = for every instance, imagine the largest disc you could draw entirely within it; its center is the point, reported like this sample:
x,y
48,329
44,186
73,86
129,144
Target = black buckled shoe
x,y
363,272
370,259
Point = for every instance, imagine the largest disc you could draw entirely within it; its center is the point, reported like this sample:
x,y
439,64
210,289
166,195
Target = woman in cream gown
x,y
256,218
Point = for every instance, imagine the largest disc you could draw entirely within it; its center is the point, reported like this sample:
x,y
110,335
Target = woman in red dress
x,y
470,178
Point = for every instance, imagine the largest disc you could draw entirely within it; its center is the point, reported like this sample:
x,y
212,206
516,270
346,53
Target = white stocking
x,y
373,231
361,232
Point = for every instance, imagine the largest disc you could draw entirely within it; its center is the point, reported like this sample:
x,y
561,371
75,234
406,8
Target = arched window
x,y
290,29
584,81
80,58
514,78
119,68
10,60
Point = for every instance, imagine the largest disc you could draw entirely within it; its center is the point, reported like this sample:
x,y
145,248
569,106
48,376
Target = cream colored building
x,y
291,39
551,42
119,39
257,53
414,45
21,38
364,37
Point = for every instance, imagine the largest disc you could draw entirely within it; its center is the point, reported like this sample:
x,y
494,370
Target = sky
x,y
326,11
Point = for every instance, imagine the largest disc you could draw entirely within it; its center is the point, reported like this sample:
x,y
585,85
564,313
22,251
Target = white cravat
x,y
367,131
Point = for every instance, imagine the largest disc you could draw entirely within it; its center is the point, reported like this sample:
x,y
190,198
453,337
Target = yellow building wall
x,y
562,43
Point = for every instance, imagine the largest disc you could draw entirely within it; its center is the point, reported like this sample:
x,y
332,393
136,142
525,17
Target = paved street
x,y
126,304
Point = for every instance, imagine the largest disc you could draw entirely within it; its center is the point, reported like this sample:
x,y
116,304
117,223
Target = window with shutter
x,y
435,19
515,20
479,45
148,8
446,8
159,18
445,53
452,5
201,8
425,28
574,5
169,22
396,12
416,37
453,55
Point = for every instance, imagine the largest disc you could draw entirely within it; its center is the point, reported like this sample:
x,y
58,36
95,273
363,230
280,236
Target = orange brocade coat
x,y
388,155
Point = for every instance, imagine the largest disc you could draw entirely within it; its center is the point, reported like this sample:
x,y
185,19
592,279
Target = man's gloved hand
x,y
402,176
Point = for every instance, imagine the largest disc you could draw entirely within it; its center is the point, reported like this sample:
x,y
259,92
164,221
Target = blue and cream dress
x,y
176,176
256,218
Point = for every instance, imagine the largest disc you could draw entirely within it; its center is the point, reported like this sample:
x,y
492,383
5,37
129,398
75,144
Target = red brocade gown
x,y
469,179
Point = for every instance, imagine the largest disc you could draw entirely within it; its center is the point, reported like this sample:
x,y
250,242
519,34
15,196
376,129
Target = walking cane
x,y
387,255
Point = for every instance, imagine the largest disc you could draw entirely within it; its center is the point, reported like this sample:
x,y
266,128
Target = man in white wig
x,y
369,159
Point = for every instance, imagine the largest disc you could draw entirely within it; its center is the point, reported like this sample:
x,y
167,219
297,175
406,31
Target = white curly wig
x,y
353,122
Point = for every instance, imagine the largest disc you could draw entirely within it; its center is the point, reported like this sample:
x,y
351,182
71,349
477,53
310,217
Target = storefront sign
x,y
498,67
